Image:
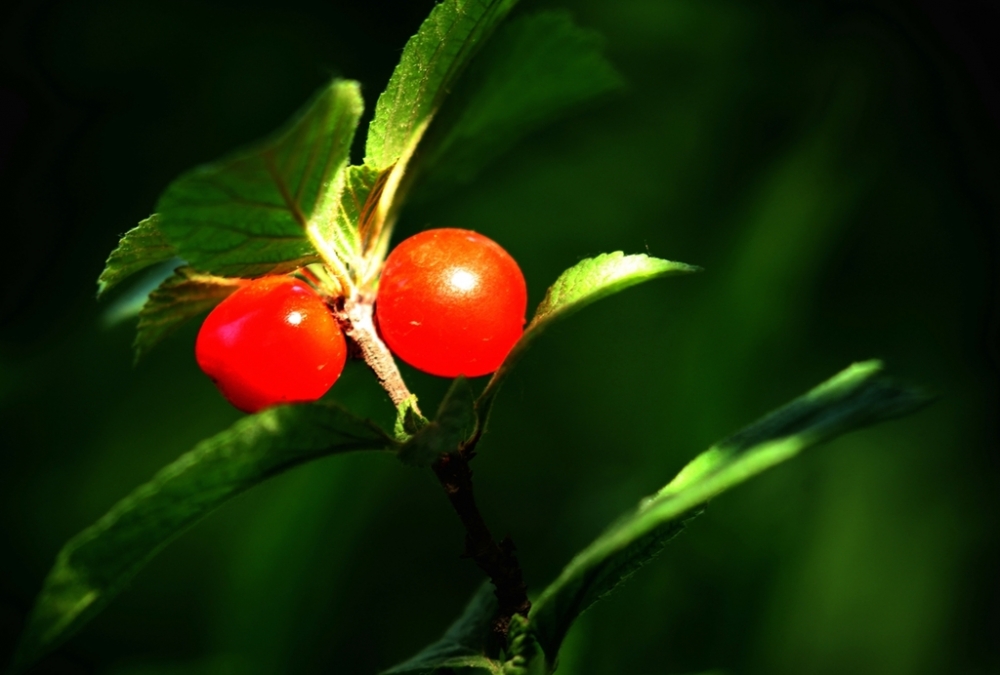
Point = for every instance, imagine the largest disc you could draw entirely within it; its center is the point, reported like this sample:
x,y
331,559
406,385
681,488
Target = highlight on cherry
x,y
274,340
451,302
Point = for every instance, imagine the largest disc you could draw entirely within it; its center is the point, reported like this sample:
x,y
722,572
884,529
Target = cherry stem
x,y
498,561
360,327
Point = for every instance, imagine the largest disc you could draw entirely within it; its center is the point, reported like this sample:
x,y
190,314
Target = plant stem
x,y
360,327
497,560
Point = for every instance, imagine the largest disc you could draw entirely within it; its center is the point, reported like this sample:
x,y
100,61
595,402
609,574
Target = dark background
x,y
832,165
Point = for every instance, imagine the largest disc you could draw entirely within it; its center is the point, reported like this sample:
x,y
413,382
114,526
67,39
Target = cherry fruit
x,y
451,302
272,341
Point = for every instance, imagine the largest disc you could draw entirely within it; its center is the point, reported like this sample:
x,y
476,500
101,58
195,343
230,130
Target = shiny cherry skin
x,y
451,302
272,341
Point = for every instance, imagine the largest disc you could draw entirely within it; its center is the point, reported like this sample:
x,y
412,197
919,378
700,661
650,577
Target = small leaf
x,y
586,282
273,207
408,419
361,208
454,424
431,61
463,645
535,69
140,247
96,564
183,296
525,654
857,397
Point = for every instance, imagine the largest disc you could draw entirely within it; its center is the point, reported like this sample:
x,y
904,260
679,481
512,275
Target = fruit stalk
x,y
358,324
497,560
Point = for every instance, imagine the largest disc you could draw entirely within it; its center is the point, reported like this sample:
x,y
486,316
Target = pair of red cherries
x,y
450,302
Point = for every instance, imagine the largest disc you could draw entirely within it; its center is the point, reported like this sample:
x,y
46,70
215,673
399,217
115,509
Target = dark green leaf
x,y
854,398
183,296
275,206
97,563
454,424
586,282
463,645
431,61
533,70
142,246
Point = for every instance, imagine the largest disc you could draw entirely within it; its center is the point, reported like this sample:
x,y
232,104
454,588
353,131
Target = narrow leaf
x,y
183,296
586,282
431,62
273,207
140,247
361,210
454,424
857,397
95,565
463,646
535,69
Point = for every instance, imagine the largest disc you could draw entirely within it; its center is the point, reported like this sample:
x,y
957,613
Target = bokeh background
x,y
832,165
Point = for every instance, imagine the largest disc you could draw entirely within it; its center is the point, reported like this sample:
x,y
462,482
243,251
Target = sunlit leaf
x,y
140,247
462,648
586,282
96,564
431,61
180,298
856,397
273,207
409,420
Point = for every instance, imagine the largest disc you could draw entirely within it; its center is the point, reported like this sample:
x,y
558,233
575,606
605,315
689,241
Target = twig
x,y
497,560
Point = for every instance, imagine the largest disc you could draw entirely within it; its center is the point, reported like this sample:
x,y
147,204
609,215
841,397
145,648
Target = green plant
x,y
294,204
272,341
451,302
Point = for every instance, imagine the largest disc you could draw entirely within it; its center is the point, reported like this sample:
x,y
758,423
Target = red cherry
x,y
272,341
451,302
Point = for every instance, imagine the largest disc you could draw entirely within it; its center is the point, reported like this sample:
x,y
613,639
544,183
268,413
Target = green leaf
x,y
409,420
586,282
276,206
431,61
856,397
140,247
183,296
454,424
130,302
463,646
525,654
360,206
98,563
535,69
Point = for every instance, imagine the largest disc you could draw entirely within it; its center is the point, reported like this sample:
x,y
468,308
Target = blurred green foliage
x,y
830,165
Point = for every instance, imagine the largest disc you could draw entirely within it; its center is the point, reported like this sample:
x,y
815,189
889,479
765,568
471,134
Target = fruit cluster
x,y
450,302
